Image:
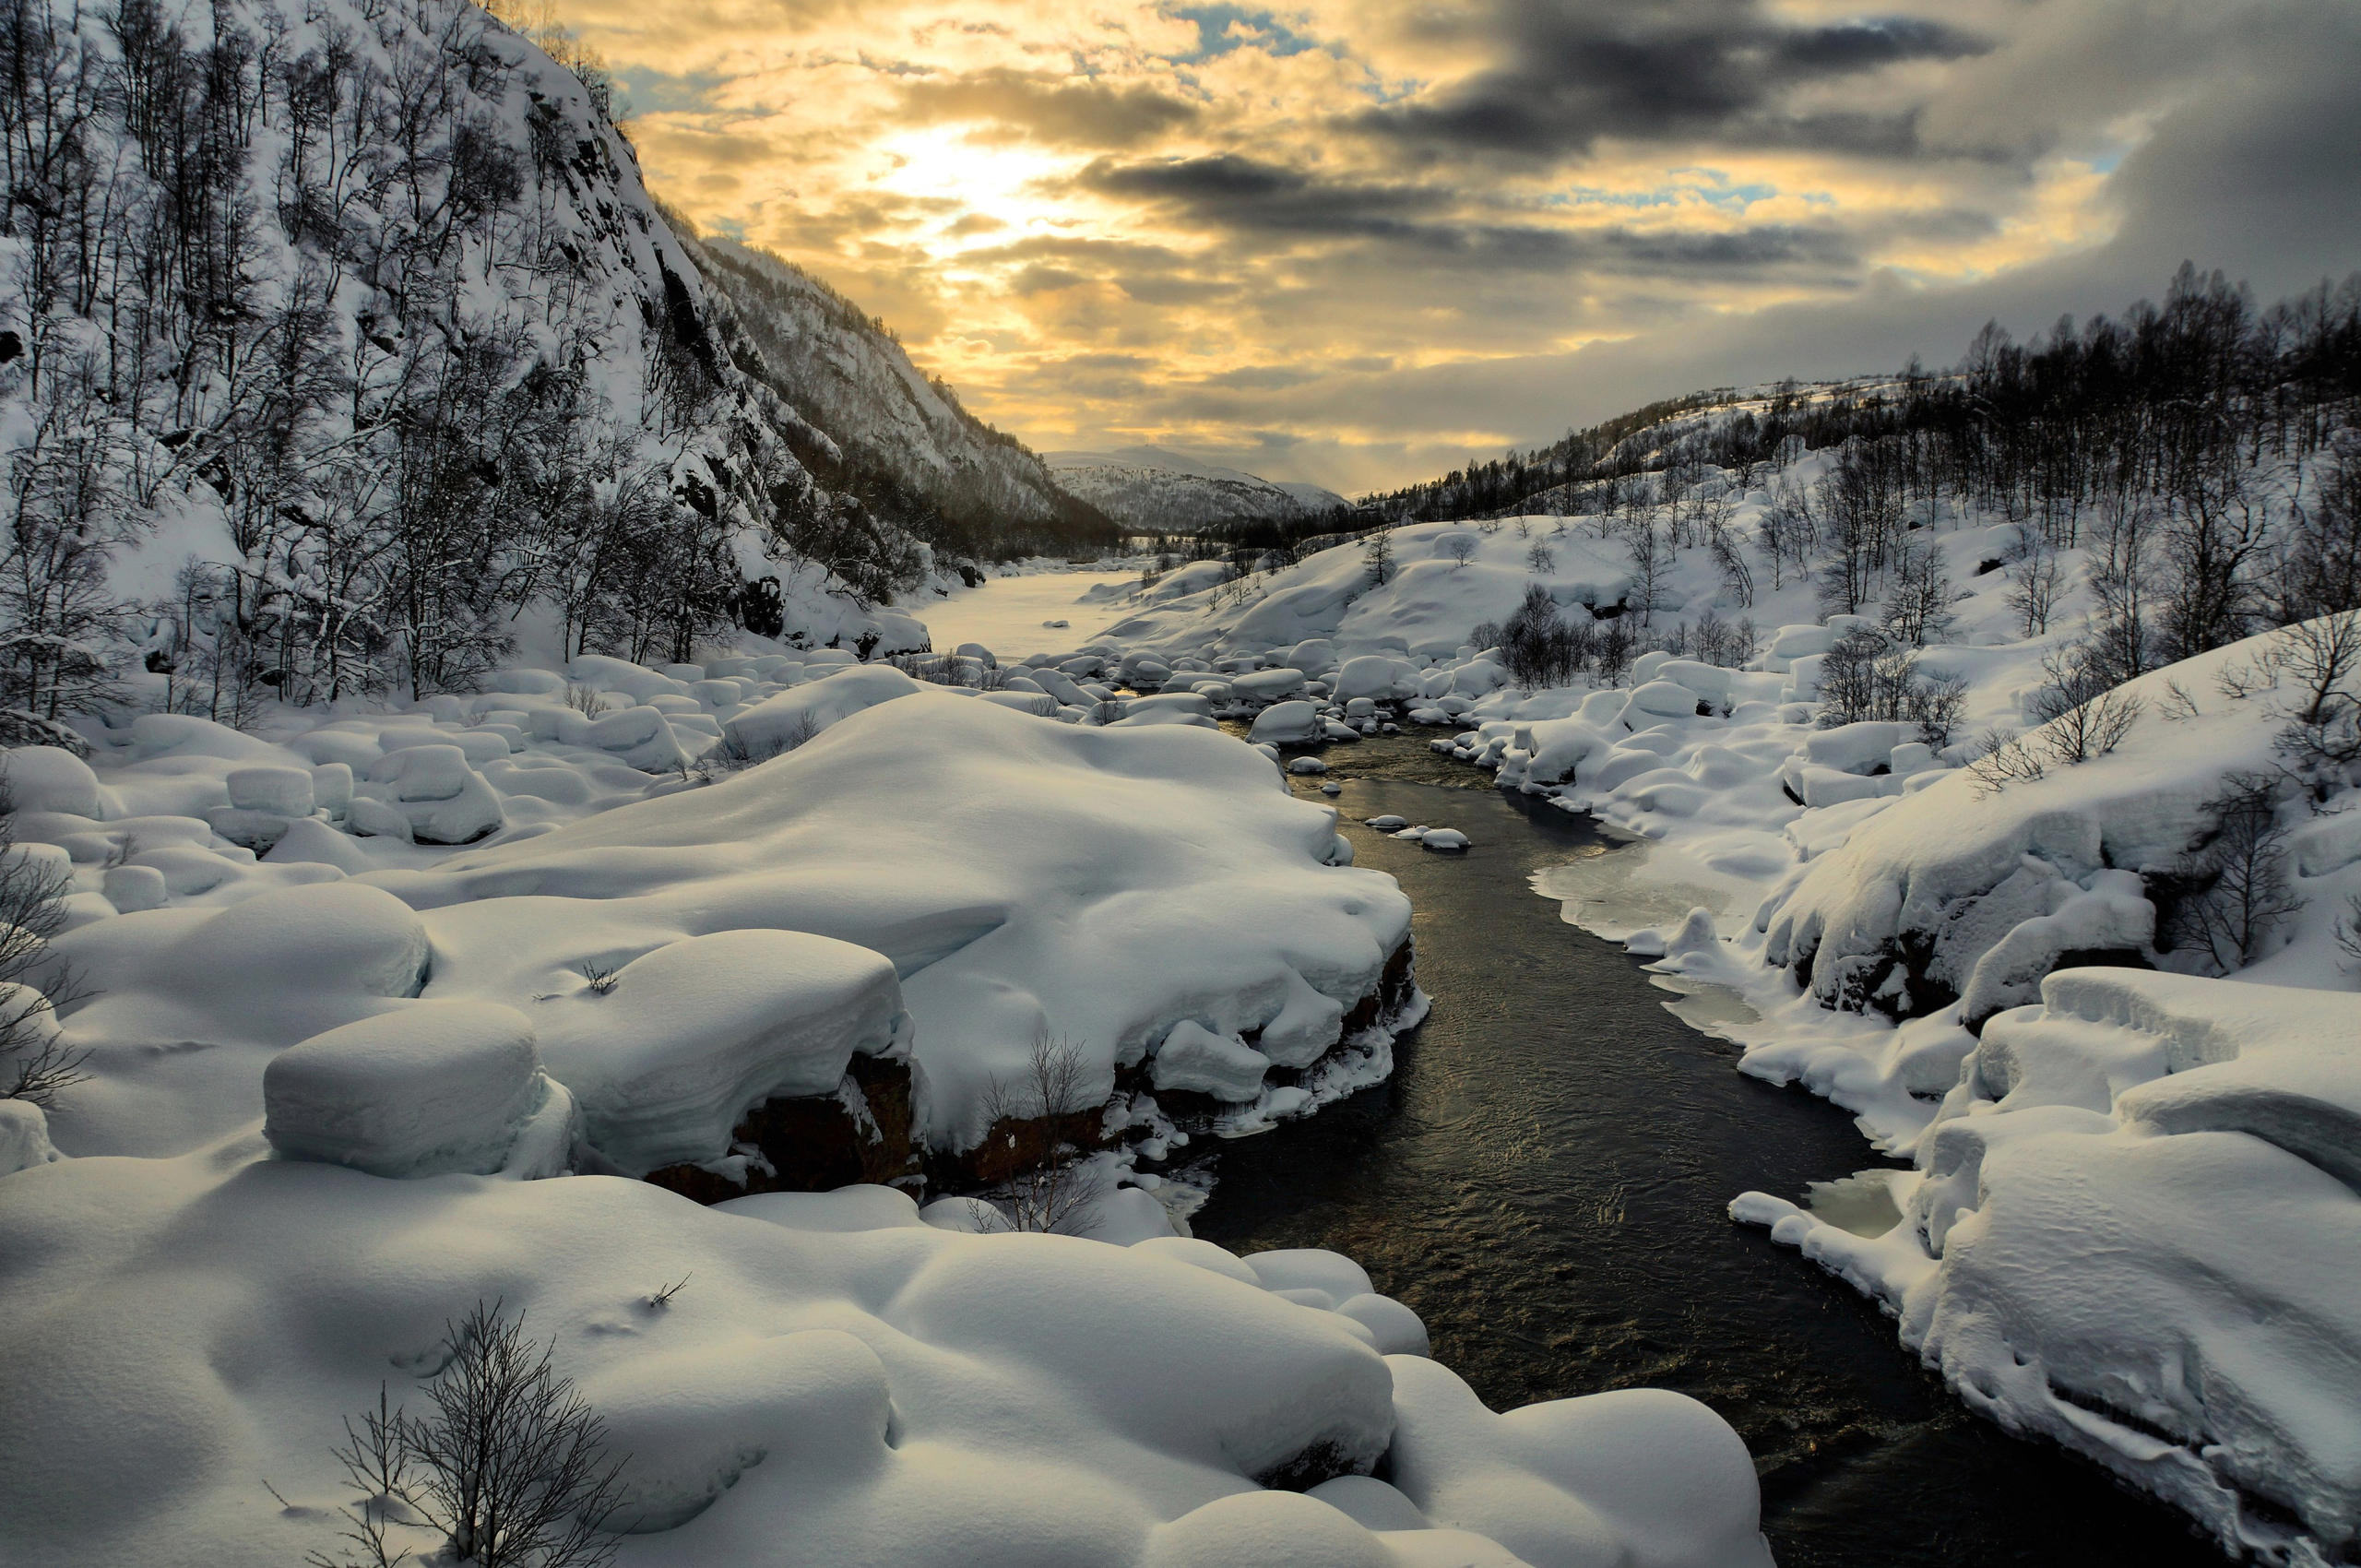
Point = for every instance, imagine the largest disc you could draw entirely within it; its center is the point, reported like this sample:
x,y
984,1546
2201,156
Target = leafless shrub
x,y
2348,933
662,1296
2005,759
2091,729
2322,738
1054,1193
1461,547
2178,706
1106,712
511,1467
2241,872
588,701
598,981
35,1061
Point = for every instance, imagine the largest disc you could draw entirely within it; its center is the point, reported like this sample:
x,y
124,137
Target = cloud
x,y
1573,72
1366,240
1063,112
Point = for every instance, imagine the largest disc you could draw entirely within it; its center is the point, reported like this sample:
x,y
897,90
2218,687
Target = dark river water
x,y
1545,1181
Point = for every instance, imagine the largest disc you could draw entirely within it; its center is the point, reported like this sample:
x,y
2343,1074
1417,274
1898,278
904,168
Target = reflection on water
x,y
1703,1004
1597,888
1862,1204
1546,1181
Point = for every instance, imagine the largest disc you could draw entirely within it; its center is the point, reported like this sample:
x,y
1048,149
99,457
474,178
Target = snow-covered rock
x,y
435,1087
2131,1231
669,1054
1194,1058
1288,723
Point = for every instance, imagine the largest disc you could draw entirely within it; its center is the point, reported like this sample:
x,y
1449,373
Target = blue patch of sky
x,y
657,92
1222,28
1710,186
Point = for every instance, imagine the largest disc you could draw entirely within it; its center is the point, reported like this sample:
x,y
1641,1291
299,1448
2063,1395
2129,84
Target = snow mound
x,y
888,1394
435,1088
2133,1229
994,857
666,1061
1906,911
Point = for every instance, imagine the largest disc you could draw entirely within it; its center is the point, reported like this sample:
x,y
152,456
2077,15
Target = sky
x,y
1363,242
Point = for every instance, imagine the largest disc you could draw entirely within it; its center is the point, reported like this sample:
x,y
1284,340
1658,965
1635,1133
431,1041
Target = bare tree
x,y
2241,870
1049,1181
2036,582
1461,547
511,1467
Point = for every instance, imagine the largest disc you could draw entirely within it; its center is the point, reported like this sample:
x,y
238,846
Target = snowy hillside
x,y
1149,490
351,355
890,432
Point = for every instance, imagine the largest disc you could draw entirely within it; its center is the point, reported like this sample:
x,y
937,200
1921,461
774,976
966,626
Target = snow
x,y
434,1088
666,1059
1012,612
873,1393
2129,1228
1194,1058
335,1093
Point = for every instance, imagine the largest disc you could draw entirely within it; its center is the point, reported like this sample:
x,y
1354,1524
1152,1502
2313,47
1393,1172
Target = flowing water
x,y
1545,1181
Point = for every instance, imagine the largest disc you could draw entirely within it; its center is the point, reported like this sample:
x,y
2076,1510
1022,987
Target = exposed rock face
x,y
815,1142
862,1132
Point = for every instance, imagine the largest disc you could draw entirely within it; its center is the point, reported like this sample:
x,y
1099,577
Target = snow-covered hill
x,y
348,353
1149,490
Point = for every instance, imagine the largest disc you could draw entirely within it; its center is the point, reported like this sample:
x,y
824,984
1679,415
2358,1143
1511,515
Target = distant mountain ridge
x,y
1152,490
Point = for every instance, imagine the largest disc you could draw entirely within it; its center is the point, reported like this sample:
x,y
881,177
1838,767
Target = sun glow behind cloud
x,y
1214,225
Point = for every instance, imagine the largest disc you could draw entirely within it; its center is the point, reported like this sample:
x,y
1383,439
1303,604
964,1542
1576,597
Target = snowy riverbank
x,y
362,986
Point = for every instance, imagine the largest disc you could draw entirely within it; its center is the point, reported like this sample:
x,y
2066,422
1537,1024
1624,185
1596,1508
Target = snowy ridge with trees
x,y
1149,490
347,355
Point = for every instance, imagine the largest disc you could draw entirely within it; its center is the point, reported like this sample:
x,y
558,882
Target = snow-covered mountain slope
x,y
891,431
350,352
1149,490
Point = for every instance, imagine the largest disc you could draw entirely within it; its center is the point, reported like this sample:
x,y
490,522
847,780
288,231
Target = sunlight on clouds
x,y
1106,219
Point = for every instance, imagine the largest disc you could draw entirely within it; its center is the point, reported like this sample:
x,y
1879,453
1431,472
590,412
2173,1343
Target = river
x,y
1545,1180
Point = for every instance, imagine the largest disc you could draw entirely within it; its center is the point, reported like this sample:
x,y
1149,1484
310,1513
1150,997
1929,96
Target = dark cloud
x,y
1038,107
1571,72
1246,195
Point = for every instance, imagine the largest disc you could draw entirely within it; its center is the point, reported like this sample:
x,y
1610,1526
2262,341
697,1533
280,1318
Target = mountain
x,y
877,423
342,351
1150,490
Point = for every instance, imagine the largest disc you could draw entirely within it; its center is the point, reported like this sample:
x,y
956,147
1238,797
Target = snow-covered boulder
x,y
1661,699
1376,677
667,1055
51,779
1195,1058
1268,685
433,791
430,1090
779,723
1288,724
636,737
1904,910
1638,1476
24,1137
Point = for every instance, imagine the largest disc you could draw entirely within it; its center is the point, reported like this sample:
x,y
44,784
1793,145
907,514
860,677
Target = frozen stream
x,y
1543,1180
